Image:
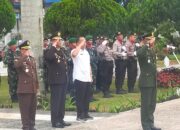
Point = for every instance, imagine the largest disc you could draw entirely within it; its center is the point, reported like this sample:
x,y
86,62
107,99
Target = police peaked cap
x,y
131,33
147,36
25,45
56,36
118,33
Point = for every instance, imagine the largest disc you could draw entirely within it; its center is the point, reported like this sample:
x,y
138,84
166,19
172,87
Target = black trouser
x,y
106,75
70,86
27,105
132,72
120,72
82,97
98,75
45,78
148,105
58,96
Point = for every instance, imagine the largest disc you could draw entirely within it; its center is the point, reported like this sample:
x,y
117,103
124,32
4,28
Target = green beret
x,y
12,42
89,37
72,40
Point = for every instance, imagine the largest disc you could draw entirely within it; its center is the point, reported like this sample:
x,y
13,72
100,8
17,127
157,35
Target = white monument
x,y
32,26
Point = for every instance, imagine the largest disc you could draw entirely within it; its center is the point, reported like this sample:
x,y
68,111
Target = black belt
x,y
107,61
122,58
132,57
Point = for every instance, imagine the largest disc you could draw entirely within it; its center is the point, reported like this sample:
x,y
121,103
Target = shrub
x,y
82,17
169,77
43,102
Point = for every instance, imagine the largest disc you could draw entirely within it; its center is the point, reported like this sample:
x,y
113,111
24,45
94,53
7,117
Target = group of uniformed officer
x,y
123,54
104,55
102,59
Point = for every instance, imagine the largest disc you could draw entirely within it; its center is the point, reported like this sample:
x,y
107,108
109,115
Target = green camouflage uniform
x,y
93,61
45,72
12,73
70,71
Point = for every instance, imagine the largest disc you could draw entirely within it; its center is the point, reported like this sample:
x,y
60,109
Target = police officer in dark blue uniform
x,y
57,76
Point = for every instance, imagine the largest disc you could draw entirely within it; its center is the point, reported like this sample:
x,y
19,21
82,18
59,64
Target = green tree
x,y
8,19
81,17
145,15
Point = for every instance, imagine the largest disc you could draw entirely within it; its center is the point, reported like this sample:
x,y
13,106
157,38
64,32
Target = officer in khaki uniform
x,y
27,86
131,62
120,51
147,81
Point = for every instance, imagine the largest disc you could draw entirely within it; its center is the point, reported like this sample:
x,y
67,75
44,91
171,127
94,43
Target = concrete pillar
x,y
32,23
32,26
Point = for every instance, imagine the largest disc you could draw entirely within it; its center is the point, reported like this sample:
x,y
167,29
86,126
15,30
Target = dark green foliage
x,y
105,17
145,15
82,17
8,19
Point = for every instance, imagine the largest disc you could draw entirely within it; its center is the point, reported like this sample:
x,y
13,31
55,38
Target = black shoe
x,y
58,125
14,100
155,128
65,123
97,91
107,95
33,129
121,91
88,117
81,119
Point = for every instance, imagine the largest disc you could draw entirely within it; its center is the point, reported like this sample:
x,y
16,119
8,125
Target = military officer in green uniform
x,y
147,81
45,66
93,57
70,86
93,60
10,54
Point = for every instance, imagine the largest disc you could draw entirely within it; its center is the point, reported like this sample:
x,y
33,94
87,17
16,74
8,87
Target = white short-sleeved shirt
x,y
81,68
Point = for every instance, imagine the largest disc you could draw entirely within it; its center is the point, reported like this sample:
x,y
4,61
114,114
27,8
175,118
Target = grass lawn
x,y
125,101
115,104
4,97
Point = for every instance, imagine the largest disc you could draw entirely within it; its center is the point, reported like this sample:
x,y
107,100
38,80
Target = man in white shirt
x,y
82,77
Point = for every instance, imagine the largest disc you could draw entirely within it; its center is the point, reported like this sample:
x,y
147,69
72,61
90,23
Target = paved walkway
x,y
167,116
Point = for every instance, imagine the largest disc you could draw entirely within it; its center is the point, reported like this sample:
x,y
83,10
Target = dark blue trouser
x,y
120,72
58,96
